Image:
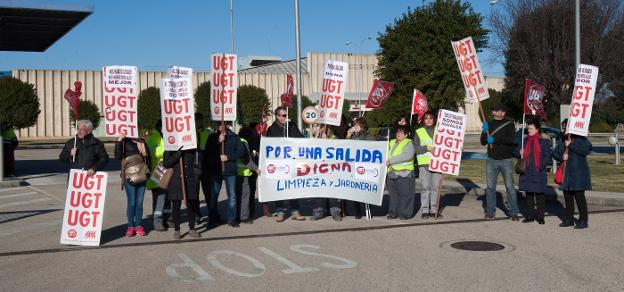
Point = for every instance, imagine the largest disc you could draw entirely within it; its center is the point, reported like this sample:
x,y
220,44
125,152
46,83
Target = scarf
x,y
533,146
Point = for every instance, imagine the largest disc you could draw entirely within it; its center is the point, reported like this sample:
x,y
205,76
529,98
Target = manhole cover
x,y
477,246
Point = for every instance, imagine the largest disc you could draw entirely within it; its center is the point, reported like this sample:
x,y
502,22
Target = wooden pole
x,y
438,196
481,111
182,178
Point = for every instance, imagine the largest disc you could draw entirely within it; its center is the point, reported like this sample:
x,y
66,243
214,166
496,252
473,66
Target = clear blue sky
x,y
155,34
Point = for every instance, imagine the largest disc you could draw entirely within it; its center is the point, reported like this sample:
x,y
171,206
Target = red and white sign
x,y
333,90
470,69
534,98
380,91
309,115
224,84
120,101
84,208
73,97
448,142
179,72
178,113
419,104
358,107
582,99
286,98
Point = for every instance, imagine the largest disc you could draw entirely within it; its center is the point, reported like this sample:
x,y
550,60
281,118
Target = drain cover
x,y
477,246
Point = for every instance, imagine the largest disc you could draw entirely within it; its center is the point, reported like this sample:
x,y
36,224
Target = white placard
x,y
178,113
119,86
448,142
470,69
224,87
179,72
333,88
582,99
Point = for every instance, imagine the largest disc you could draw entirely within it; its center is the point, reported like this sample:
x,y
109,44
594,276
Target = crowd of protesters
x,y
225,156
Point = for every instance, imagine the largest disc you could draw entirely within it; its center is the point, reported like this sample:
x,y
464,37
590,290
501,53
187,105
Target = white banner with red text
x,y
332,92
84,208
322,168
119,85
448,142
224,87
470,69
582,99
178,113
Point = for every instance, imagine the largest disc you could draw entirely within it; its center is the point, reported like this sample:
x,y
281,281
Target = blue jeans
x,y
134,211
492,168
230,186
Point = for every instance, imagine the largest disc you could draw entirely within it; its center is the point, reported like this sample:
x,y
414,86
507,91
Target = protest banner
x,y
84,208
534,98
179,72
120,101
379,93
448,142
470,69
311,168
178,113
419,105
582,99
334,85
286,97
224,87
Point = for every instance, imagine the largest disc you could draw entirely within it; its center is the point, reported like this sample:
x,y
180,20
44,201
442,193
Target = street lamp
x,y
359,83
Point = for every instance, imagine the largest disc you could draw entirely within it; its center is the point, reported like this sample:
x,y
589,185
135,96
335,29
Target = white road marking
x,y
21,203
18,195
11,189
28,227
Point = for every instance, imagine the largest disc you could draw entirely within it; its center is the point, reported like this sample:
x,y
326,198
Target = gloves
x,y
486,127
490,140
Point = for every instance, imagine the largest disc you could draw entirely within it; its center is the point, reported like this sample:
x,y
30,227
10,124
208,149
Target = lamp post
x,y
298,48
359,84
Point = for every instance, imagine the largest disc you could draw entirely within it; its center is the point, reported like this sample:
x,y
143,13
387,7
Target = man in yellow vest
x,y
245,192
160,203
423,144
400,181
9,143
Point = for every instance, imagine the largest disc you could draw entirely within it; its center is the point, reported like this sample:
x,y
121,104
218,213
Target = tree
x,y
19,104
202,100
249,104
536,38
416,52
87,111
149,107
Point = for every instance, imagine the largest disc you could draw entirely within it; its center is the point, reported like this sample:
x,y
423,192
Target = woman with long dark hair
x,y
134,157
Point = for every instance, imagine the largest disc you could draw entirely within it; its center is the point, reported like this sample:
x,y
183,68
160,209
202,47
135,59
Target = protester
x,y
400,178
279,129
204,178
222,166
573,149
402,121
498,135
183,187
160,203
134,174
359,131
537,155
245,180
9,144
89,153
423,145
321,205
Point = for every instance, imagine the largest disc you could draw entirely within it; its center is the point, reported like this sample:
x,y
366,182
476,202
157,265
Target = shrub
x,y
149,107
87,111
19,104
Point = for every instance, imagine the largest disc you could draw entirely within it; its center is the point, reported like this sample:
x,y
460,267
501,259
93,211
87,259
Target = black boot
x,y
568,222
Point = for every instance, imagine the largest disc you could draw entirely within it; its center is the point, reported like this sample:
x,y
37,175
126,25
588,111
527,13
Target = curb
x,y
12,182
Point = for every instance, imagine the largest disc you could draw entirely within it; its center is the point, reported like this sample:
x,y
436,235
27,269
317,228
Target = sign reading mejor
x,y
582,99
178,113
448,142
309,168
120,101
332,93
84,208
224,84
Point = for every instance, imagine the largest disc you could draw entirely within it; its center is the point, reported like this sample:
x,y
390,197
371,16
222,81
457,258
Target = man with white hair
x,y
84,151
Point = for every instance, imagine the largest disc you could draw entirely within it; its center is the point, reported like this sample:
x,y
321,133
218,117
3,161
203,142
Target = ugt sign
x,y
120,101
582,99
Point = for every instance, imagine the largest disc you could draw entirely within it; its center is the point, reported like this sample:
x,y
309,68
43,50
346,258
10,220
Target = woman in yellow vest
x,y
423,144
400,180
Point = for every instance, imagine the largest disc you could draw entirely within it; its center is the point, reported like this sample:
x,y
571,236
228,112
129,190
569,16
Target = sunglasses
x,y
283,116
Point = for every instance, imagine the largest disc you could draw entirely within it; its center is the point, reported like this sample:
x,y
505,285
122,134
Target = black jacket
x,y
90,154
233,150
192,166
130,148
503,146
278,130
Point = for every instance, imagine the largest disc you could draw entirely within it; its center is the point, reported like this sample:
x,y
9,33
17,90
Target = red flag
x,y
534,98
73,97
286,98
419,104
379,93
262,128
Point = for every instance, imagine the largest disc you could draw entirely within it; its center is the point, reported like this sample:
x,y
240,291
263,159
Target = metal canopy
x,y
32,27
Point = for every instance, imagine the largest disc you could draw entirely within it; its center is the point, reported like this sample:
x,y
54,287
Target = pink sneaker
x,y
139,231
130,232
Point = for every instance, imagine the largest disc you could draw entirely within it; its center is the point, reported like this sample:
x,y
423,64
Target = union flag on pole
x,y
379,93
73,97
534,98
286,98
419,104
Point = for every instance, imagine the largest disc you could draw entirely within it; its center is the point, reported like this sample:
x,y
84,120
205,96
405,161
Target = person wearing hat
x,y
498,135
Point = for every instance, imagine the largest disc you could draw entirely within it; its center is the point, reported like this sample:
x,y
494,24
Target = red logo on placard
x,y
271,168
72,233
216,110
171,140
89,235
361,170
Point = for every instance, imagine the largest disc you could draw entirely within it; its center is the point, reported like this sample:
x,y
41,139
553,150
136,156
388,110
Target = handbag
x,y
162,175
559,174
135,169
520,167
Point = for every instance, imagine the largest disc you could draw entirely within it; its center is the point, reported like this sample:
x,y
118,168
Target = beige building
x,y
54,121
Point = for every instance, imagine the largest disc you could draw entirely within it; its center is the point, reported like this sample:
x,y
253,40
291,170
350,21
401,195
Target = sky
x,y
156,34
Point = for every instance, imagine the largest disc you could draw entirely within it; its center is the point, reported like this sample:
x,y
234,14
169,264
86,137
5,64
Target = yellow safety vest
x,y
203,137
425,140
156,146
241,167
407,165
